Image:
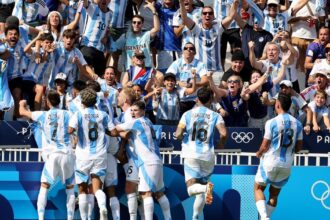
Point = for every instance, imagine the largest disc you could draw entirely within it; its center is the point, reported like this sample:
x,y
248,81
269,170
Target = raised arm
x,y
28,48
186,20
219,92
75,22
232,14
254,63
156,28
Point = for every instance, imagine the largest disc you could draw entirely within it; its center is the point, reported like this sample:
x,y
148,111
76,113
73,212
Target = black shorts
x,y
94,58
28,92
15,83
5,11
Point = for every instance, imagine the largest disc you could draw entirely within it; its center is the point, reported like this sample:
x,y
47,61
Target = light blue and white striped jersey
x,y
63,64
276,68
320,111
112,92
143,140
283,131
274,25
118,7
169,105
91,125
28,12
75,105
6,99
69,14
221,10
130,42
37,72
97,25
195,15
208,45
182,70
16,62
199,123
53,125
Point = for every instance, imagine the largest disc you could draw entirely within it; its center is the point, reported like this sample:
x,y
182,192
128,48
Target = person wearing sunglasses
x,y
136,39
207,34
183,69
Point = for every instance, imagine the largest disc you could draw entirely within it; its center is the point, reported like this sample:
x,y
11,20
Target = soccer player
x,y
283,136
198,148
56,150
91,151
147,158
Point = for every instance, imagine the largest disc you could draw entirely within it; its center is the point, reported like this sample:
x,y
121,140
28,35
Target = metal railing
x,y
170,156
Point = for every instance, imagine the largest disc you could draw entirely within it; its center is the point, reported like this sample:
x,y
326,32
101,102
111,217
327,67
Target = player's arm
x,y
223,134
263,147
23,109
112,133
179,131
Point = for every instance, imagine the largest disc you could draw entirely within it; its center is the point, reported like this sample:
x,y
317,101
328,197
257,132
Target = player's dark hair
x,y
47,36
93,85
79,85
53,98
285,101
204,95
88,97
140,104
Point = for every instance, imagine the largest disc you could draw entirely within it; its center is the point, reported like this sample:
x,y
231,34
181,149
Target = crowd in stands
x,y
164,51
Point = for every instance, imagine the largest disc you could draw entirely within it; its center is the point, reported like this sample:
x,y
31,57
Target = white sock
x,y
42,202
198,205
70,203
91,203
165,205
141,209
115,208
148,204
270,209
196,189
83,206
101,199
261,207
132,205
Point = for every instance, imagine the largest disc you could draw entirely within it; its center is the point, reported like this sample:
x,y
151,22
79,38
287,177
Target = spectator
x,y
322,65
274,21
183,69
320,111
6,9
6,99
61,85
316,51
237,67
206,36
29,10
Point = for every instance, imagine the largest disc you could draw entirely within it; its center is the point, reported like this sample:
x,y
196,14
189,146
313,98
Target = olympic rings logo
x,y
242,137
324,196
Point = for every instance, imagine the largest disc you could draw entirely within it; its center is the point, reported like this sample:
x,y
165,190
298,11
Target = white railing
x,y
170,156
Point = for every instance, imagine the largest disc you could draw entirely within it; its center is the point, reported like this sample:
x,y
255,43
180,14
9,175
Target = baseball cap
x,y
139,53
274,2
169,75
287,83
60,76
320,72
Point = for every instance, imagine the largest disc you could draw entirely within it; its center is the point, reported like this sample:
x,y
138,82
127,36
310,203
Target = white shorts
x,y
275,176
132,172
84,168
198,169
59,165
151,178
113,145
111,176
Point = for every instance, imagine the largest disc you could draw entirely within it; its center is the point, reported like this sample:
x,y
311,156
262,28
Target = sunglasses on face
x,y
233,81
137,22
207,13
189,48
139,58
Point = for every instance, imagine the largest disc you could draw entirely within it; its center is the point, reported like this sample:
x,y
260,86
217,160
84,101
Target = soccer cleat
x,y
103,214
208,194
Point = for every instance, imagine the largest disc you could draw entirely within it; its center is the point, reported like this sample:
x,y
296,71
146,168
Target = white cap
x,y
56,12
275,2
287,83
320,72
60,76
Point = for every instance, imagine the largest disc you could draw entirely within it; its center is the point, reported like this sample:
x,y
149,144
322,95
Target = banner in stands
x,y
246,139
305,197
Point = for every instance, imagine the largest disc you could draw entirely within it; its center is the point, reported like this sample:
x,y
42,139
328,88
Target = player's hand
x,y
259,154
121,155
